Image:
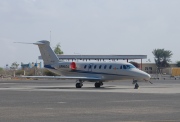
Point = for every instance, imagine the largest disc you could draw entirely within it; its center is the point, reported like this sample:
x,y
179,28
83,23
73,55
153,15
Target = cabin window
x,y
110,66
99,66
94,66
89,66
121,67
85,67
105,67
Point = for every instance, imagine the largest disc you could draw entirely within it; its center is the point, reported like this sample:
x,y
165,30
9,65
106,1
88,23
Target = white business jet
x,y
97,72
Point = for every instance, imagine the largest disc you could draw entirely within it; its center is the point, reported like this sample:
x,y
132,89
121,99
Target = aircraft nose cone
x,y
147,77
141,75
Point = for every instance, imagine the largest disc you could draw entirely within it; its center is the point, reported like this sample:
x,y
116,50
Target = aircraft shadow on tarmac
x,y
156,87
84,88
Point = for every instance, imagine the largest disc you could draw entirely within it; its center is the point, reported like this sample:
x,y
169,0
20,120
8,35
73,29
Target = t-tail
x,y
48,55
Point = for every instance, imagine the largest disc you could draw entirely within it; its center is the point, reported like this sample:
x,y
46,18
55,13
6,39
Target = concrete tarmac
x,y
60,101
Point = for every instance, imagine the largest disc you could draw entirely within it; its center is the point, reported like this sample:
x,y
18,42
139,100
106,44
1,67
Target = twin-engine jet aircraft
x,y
97,72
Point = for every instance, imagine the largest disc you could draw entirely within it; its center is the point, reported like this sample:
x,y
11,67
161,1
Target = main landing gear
x,y
98,84
136,84
79,84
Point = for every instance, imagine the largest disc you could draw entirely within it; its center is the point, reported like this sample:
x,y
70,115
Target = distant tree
x,y
57,49
135,64
162,58
178,63
1,69
14,65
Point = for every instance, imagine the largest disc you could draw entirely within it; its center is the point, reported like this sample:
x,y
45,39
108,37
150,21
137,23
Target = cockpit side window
x,y
127,66
130,66
124,66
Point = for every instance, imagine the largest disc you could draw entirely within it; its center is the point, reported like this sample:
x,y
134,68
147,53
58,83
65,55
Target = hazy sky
x,y
89,27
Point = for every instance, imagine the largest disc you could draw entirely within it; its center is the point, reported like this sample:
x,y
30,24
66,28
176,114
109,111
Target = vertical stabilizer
x,y
48,55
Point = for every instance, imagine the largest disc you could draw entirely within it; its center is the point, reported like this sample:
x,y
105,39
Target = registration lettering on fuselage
x,y
63,66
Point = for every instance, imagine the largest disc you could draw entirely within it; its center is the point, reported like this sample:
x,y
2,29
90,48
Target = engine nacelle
x,y
73,66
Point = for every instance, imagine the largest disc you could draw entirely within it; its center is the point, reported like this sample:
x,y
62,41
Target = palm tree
x,y
162,58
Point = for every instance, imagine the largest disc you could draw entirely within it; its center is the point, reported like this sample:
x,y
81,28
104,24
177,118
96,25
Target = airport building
x,y
31,65
151,68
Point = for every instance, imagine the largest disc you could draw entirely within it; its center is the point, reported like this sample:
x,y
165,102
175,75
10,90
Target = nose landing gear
x,y
136,84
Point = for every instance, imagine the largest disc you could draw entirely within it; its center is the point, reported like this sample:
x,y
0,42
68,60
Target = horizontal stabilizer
x,y
48,55
23,43
37,43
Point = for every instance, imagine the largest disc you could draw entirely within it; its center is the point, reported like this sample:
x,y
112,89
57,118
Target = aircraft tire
x,y
78,85
97,85
101,83
136,86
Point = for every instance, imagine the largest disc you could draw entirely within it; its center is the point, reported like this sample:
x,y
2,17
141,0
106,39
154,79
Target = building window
x,y
146,68
150,68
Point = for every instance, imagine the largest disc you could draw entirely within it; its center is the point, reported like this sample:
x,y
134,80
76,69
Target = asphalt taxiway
x,y
59,100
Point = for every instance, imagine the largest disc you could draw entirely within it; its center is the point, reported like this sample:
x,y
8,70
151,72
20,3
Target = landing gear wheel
x,y
101,83
78,85
97,85
136,86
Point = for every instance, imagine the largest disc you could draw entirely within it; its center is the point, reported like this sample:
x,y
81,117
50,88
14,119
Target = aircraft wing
x,y
63,77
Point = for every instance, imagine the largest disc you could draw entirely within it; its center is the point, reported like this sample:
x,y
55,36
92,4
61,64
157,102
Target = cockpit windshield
x,y
127,67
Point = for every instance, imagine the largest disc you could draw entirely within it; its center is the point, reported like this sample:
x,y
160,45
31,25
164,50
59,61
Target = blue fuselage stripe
x,y
90,72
